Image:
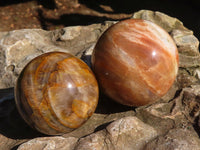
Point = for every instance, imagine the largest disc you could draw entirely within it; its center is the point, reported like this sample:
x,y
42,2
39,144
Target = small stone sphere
x,y
135,62
56,93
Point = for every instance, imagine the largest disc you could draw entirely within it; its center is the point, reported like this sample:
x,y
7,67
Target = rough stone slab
x,y
49,143
18,47
176,139
128,133
161,19
7,143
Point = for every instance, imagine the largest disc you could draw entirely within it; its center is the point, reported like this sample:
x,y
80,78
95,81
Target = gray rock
x,y
174,121
158,115
188,103
18,47
7,143
49,143
96,121
186,42
166,22
128,133
176,139
182,111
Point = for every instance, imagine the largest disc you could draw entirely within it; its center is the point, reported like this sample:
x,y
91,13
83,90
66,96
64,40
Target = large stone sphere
x,y
56,93
135,62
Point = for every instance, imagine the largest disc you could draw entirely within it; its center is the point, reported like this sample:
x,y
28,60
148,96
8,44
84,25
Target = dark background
x,y
53,14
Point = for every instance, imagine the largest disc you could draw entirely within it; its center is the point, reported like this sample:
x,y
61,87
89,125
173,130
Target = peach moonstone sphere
x,y
56,93
135,62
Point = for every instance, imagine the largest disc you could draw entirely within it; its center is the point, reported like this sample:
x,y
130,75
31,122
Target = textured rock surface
x,y
176,139
6,143
50,143
18,47
128,133
174,117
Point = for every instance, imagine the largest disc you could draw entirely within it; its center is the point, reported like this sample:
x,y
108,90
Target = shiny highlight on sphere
x,y
56,93
135,62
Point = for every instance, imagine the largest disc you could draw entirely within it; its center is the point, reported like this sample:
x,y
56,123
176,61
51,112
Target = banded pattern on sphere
x,y
56,93
135,62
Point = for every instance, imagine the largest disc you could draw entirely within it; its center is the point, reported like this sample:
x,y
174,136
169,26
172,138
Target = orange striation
x,y
135,62
56,93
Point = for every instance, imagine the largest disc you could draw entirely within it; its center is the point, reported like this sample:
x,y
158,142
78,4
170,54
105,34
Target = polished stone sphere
x,y
135,62
56,93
